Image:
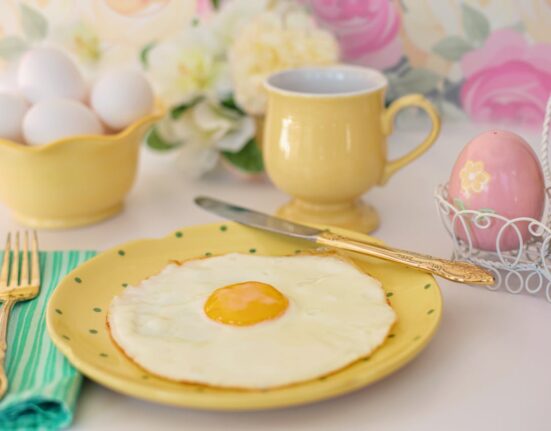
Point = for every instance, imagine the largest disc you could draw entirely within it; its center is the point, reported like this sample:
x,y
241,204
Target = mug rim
x,y
270,86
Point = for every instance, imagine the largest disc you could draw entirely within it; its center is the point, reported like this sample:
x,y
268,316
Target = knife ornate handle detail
x,y
461,272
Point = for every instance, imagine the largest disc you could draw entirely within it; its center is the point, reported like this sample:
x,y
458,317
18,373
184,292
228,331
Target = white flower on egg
x,y
204,130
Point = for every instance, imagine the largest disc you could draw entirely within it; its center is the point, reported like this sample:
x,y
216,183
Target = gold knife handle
x,y
458,271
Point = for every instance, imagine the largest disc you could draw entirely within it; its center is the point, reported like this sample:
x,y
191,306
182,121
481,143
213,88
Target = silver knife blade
x,y
257,219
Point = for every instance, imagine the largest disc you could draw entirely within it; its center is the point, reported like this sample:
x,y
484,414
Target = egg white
x,y
337,314
121,97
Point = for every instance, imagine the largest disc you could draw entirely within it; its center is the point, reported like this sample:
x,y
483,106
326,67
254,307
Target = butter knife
x,y
458,271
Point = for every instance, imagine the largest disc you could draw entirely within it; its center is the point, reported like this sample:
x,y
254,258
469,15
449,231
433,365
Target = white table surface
x,y
488,367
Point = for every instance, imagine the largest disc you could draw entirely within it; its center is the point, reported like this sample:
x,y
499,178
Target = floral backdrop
x,y
487,60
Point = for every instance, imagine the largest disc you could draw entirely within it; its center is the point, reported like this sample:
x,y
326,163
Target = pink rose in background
x,y
507,80
204,8
367,30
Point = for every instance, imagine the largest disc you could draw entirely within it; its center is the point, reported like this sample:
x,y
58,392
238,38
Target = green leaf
x,y
34,24
417,80
12,47
452,48
156,142
215,3
177,111
475,24
144,53
229,103
249,159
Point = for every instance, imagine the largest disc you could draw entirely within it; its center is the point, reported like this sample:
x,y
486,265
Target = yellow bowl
x,y
73,181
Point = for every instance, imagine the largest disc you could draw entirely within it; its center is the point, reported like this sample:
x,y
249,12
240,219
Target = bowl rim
x,y
157,114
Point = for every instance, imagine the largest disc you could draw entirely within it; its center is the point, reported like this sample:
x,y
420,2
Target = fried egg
x,y
251,322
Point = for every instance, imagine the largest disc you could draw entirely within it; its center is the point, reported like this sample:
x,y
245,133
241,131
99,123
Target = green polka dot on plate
x,y
93,331
430,311
208,254
178,234
389,294
104,355
223,228
78,279
252,250
124,285
97,309
427,285
65,337
58,311
121,252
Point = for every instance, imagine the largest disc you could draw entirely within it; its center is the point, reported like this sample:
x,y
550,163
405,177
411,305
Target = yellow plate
x,y
77,312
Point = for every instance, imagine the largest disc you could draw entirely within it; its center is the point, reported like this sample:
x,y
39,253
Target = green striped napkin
x,y
43,386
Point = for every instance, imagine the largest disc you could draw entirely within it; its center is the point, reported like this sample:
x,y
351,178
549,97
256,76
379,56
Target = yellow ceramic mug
x,y
325,141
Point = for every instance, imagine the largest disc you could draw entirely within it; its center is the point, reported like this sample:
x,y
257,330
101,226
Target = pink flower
x,y
204,8
367,30
507,80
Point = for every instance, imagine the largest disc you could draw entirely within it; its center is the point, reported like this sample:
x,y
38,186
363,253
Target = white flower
x,y
188,65
283,38
232,17
204,130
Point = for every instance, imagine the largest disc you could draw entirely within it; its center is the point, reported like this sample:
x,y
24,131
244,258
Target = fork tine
x,y
35,261
14,271
5,262
25,261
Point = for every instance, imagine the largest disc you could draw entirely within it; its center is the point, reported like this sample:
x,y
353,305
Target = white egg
x,y
8,78
251,322
122,97
46,72
12,110
54,119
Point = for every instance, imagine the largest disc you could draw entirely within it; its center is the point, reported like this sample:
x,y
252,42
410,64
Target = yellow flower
x,y
473,177
234,15
273,41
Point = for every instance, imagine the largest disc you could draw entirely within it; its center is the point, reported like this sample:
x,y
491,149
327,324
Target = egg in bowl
x,y
251,322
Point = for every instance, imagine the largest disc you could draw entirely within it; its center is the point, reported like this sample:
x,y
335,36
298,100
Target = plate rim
x,y
159,396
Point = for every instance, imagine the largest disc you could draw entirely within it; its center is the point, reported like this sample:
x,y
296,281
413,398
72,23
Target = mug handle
x,y
410,100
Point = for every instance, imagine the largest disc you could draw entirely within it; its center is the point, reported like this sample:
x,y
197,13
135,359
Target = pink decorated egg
x,y
497,172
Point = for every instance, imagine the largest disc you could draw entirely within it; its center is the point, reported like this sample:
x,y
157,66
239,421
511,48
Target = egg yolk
x,y
244,304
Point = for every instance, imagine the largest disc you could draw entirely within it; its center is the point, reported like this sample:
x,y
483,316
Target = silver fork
x,y
18,282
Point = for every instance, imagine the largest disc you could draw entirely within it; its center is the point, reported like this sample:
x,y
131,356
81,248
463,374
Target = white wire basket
x,y
525,269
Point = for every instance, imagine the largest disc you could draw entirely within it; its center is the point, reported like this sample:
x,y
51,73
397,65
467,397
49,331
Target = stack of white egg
x,y
51,100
